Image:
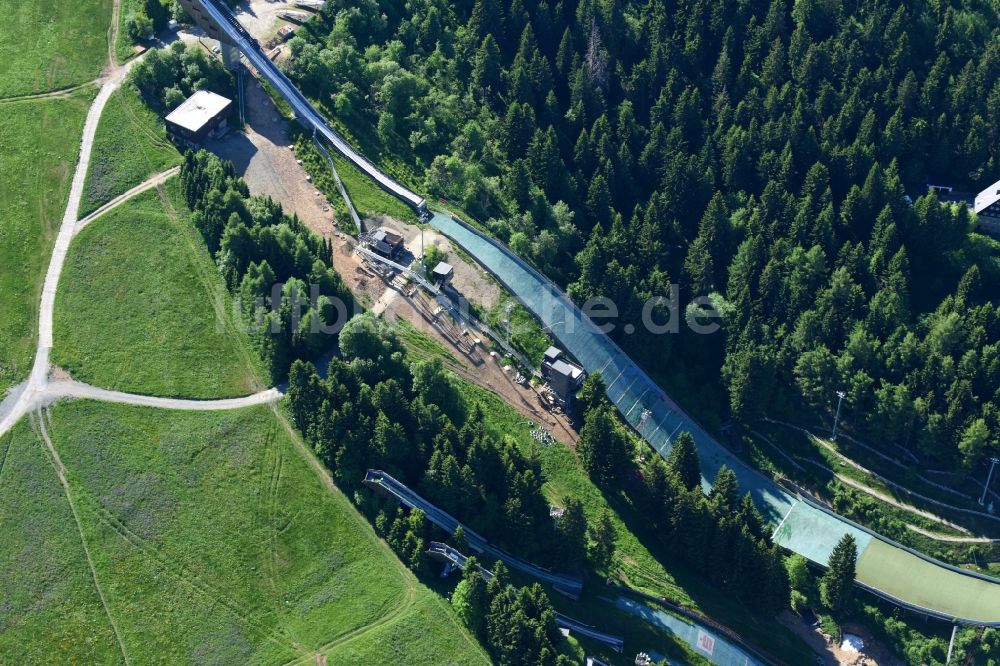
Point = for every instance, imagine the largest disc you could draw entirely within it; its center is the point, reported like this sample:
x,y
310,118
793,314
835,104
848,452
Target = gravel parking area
x,y
261,154
260,17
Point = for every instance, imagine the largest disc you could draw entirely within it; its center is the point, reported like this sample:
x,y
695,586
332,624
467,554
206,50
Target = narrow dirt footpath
x,y
951,539
151,182
116,10
62,92
889,499
39,420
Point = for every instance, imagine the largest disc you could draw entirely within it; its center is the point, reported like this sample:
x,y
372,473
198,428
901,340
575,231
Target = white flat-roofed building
x,y
200,116
987,208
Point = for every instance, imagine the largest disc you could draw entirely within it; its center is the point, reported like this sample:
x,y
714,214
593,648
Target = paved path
x,y
58,390
38,390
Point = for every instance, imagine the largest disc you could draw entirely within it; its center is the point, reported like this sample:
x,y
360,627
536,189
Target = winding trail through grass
x,y
39,420
38,390
153,181
116,10
62,92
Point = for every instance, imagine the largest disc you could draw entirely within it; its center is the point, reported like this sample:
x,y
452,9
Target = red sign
x,y
706,643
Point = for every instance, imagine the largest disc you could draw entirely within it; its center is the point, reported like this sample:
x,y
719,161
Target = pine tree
x,y
486,70
683,461
602,541
470,600
604,450
487,18
777,590
725,492
598,208
458,540
572,530
837,584
500,579
591,394
750,517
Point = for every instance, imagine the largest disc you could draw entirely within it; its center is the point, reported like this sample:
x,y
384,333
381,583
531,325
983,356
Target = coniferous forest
x,y
773,155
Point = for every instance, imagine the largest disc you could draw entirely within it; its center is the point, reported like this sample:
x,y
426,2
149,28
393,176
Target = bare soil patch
x,y
469,280
260,17
828,651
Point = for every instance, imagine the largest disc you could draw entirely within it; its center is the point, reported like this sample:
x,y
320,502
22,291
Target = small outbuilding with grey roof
x,y
442,273
562,376
386,244
202,115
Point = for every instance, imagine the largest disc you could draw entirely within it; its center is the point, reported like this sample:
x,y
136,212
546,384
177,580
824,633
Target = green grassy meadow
x,y
141,307
131,145
39,144
50,603
368,198
214,539
51,45
426,636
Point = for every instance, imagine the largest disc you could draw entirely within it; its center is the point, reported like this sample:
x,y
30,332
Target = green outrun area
x,y
906,576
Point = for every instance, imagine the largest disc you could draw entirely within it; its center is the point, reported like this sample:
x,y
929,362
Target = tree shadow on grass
x,y
710,601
